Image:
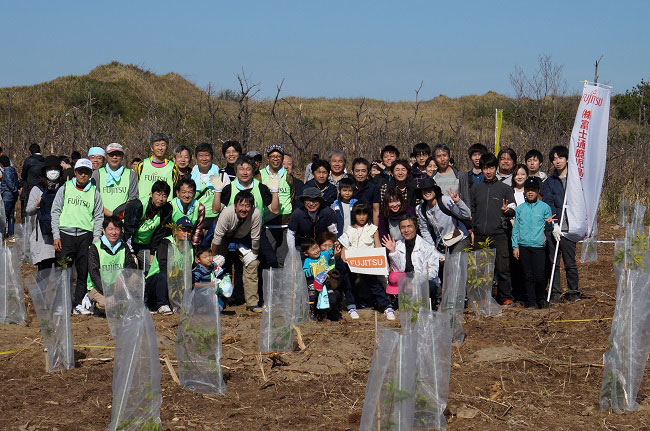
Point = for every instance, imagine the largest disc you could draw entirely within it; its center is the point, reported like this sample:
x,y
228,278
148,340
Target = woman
x,y
39,203
519,176
392,210
400,171
442,218
430,167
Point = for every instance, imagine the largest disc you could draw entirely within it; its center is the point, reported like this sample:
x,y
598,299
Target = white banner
x,y
367,260
587,155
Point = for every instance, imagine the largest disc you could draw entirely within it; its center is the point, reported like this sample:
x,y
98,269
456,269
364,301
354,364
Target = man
x,y
308,174
311,219
365,190
156,167
422,152
287,163
337,165
553,190
534,160
507,161
388,155
320,170
492,201
257,160
275,226
237,238
77,217
231,150
185,206
266,197
146,220
108,254
97,157
202,174
116,184
182,160
30,175
475,175
448,178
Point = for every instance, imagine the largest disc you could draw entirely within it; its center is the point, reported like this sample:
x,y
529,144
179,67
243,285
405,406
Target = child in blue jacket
x,y
343,205
207,271
532,218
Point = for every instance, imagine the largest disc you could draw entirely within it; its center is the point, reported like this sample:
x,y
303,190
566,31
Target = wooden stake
x,y
172,371
301,344
259,362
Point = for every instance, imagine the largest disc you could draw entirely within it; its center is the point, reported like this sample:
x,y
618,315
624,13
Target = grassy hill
x,y
124,103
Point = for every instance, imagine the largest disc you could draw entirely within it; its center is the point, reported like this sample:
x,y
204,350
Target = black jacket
x,y
487,198
30,174
94,264
133,220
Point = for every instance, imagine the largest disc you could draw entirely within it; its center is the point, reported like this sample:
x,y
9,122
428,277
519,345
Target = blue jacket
x,y
329,192
9,184
553,194
338,210
530,223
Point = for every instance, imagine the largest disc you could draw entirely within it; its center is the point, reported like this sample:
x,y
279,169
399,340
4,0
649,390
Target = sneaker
x,y
254,309
390,314
165,310
352,312
11,239
507,302
80,309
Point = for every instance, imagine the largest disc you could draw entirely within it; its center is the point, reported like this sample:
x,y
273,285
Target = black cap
x,y
51,162
311,193
532,183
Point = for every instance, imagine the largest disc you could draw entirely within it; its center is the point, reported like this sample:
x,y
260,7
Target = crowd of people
x,y
99,212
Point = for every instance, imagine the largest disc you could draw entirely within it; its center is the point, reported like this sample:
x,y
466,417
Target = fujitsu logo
x,y
591,98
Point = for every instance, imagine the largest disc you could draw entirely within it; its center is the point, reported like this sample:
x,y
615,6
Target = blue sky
x,y
378,49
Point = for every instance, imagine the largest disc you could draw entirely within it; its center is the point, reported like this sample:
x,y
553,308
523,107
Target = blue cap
x,y
184,222
96,151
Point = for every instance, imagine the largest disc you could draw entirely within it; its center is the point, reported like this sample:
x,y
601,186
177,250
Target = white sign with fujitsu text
x,y
367,260
587,155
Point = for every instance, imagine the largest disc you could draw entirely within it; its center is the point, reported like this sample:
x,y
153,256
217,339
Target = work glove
x,y
557,232
219,260
274,184
217,183
248,258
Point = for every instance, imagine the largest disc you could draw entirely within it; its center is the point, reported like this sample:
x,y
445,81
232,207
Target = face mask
x,y
52,175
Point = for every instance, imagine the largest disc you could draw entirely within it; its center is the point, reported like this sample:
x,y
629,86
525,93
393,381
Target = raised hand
x,y
551,219
274,184
453,195
504,205
388,242
217,183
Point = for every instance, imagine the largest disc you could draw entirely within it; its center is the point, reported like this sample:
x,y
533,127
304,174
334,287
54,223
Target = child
x,y
317,268
533,161
531,220
343,205
422,152
206,271
363,234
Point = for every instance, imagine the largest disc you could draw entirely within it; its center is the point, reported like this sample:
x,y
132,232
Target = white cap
x,y
83,163
111,148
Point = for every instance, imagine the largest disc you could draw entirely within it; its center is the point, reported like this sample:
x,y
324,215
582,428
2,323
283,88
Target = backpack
x,y
434,234
43,214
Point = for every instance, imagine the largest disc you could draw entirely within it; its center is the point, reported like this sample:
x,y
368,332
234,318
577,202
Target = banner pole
x,y
557,247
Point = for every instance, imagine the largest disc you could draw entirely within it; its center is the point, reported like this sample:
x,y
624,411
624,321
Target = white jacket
x,y
425,258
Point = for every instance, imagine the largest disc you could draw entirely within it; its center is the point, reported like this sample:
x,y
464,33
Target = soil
x,y
522,370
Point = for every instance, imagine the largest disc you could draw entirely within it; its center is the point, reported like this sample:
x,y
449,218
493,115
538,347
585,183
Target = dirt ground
x,y
523,370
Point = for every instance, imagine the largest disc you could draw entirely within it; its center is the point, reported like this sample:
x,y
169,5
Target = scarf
x,y
107,243
86,188
242,188
113,176
196,176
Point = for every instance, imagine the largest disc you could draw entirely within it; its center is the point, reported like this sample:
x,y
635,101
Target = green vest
x,y
150,175
176,260
78,207
146,227
255,190
284,195
109,264
118,193
206,198
177,213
